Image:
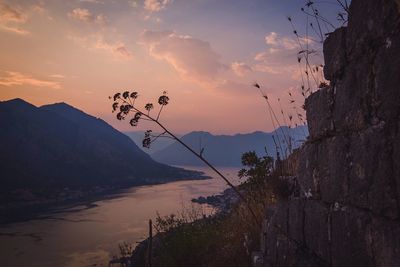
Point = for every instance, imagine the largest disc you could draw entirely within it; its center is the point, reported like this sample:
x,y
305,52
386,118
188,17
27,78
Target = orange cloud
x,y
156,5
97,42
91,1
58,76
240,68
16,78
192,58
117,48
10,18
85,15
11,14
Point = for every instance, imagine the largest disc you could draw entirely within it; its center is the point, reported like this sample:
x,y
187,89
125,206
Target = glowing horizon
x,y
205,54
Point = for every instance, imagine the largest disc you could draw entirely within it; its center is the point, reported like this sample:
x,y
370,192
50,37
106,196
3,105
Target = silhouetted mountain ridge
x,y
56,146
226,150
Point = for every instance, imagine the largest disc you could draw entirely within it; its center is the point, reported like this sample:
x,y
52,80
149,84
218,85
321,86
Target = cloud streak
x,y
13,78
10,19
97,42
118,48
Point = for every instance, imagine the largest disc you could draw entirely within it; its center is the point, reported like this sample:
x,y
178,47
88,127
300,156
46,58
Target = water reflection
x,y
89,235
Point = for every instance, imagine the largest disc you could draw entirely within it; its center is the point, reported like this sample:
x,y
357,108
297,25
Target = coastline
x,y
25,211
223,202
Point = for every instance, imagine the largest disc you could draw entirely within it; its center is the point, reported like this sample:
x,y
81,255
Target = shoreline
x,y
24,212
222,201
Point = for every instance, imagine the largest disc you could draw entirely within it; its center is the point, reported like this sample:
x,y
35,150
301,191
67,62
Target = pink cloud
x,y
11,14
191,58
13,78
240,68
85,15
10,19
156,5
98,42
279,42
117,48
281,54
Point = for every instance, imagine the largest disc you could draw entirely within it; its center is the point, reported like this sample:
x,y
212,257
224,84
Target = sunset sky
x,y
205,53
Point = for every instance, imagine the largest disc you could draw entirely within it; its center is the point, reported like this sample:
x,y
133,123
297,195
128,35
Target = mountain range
x,y
226,150
57,146
160,144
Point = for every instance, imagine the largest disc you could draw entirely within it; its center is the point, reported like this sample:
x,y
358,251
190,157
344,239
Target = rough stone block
x,y
334,168
263,237
296,217
335,54
384,239
286,250
319,113
349,242
369,25
371,178
280,218
385,100
307,165
351,98
395,143
271,245
324,169
316,228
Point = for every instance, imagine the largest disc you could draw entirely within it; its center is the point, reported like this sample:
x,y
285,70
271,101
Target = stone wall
x,y
349,169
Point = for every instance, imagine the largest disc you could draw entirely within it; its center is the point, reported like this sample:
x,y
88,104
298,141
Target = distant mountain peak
x,y
226,150
17,103
60,106
16,100
68,111
199,133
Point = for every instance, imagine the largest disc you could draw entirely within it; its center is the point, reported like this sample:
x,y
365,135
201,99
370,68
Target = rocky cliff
x,y
348,213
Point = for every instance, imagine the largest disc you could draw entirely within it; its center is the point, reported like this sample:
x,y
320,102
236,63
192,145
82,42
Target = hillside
x,y
57,146
137,137
226,150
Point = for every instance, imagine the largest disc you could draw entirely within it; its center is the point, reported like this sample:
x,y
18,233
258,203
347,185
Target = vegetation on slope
x,y
226,238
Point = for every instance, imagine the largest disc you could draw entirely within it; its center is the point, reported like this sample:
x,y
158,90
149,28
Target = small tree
x,y
263,177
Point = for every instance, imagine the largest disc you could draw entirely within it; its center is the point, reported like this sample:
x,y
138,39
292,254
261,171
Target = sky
x,y
206,54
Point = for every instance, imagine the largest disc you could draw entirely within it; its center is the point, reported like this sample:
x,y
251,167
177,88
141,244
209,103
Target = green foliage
x,y
187,244
189,238
257,168
192,239
265,179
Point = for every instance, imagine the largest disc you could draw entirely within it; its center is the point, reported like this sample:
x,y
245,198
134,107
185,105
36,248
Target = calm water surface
x,y
90,236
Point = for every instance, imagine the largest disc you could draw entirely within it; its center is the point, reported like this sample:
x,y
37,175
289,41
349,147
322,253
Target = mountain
x,y
57,146
160,144
226,150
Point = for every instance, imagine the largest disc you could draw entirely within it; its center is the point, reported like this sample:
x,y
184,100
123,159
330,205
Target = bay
x,y
89,235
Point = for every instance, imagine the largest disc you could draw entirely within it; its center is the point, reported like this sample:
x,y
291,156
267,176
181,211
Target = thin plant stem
x,y
256,220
